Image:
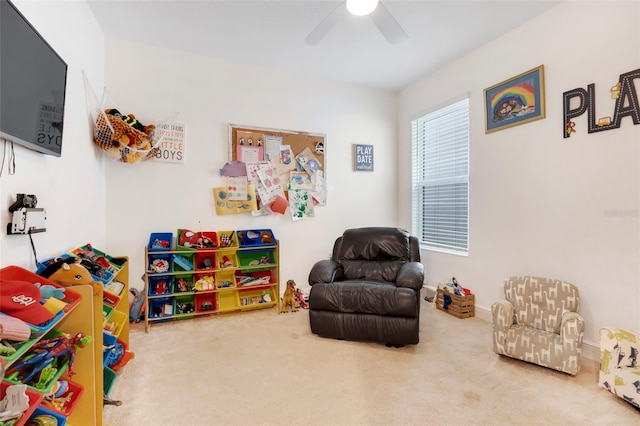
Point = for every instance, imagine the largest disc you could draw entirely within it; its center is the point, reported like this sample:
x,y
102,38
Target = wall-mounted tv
x,y
33,79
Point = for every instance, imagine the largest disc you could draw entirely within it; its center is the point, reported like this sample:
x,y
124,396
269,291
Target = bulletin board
x,y
298,141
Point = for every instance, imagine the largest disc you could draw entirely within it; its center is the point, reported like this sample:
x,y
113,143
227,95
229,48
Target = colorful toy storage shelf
x,y
77,400
191,274
110,310
113,273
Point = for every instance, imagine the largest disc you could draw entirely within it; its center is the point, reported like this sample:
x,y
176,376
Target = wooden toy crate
x,y
460,306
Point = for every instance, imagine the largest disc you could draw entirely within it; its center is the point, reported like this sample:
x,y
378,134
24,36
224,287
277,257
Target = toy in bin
x,y
255,237
96,263
14,403
192,239
206,282
454,287
159,265
13,333
38,366
112,353
160,244
63,397
69,271
17,403
226,240
37,301
21,299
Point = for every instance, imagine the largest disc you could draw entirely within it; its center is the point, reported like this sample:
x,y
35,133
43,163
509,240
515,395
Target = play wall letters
x,y
627,103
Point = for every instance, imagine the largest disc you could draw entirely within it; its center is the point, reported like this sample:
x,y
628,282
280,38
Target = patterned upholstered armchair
x,y
538,322
619,371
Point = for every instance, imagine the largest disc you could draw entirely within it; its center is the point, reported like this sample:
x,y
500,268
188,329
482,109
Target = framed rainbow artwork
x,y
515,101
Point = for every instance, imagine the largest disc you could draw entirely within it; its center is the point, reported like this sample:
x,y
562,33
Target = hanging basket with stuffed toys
x,y
121,136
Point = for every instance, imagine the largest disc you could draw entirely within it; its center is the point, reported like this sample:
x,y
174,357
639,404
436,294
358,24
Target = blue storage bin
x,y
108,339
162,284
160,263
161,308
108,275
256,237
43,411
160,241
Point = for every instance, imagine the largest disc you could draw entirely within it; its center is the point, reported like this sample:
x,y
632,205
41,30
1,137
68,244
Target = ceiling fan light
x,y
361,7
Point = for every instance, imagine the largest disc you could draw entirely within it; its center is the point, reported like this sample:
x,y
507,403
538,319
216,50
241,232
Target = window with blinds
x,y
440,178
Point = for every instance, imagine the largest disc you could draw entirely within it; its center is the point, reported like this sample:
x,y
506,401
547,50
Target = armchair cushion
x,y
376,298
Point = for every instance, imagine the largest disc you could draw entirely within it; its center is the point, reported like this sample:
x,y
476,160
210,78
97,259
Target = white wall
x,y
541,204
210,94
71,188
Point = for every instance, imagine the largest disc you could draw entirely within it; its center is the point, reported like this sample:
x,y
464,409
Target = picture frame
x,y
363,158
515,101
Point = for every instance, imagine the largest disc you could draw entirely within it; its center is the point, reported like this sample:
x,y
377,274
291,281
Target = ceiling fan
x,y
380,15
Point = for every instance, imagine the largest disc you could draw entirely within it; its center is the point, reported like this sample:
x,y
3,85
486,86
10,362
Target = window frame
x,y
459,179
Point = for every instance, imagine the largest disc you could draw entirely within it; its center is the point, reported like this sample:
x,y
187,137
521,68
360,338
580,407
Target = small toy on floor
x,y
289,298
302,299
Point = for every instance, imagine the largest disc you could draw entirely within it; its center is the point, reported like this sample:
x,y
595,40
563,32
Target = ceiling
x,y
271,33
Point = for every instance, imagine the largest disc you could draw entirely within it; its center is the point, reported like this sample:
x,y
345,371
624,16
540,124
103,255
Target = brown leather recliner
x,y
369,290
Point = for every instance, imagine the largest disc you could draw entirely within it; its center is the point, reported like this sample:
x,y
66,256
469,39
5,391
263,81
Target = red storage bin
x,y
67,402
34,400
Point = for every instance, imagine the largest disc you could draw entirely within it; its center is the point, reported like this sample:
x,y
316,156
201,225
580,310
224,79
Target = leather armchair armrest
x,y
411,275
502,311
325,271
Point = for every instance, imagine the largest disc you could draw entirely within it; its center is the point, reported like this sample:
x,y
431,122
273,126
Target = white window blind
x,y
440,177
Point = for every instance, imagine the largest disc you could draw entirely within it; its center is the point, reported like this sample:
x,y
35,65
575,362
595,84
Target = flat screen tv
x,y
33,79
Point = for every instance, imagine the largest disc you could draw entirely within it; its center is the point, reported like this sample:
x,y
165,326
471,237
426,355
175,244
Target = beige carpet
x,y
264,368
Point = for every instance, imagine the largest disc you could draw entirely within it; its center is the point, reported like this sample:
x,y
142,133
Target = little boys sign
x,y
171,148
363,157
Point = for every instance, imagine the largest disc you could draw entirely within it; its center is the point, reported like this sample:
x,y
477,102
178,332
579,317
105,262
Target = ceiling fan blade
x,y
325,26
388,26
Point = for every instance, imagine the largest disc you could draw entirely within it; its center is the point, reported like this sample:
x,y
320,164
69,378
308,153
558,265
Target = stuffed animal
x,y
69,272
122,134
289,297
132,121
